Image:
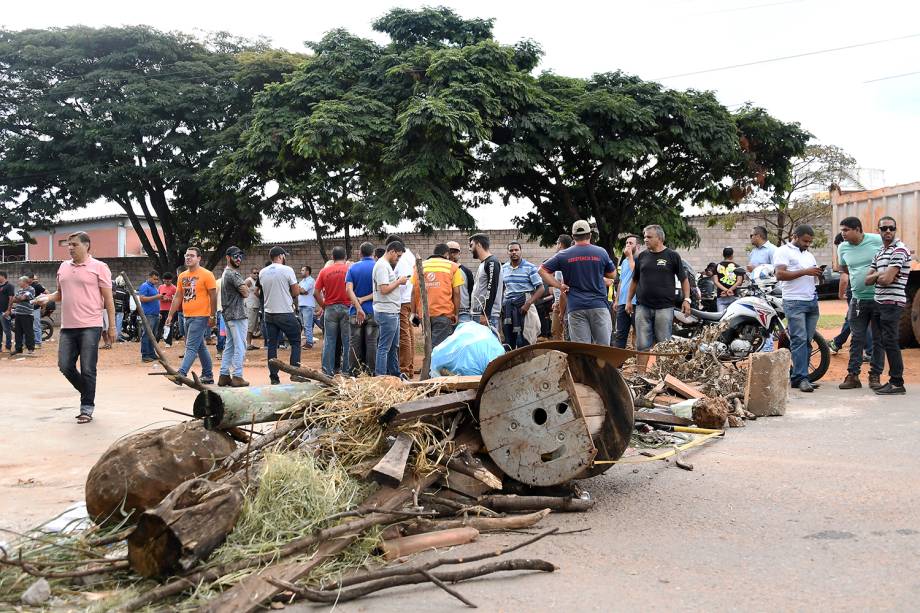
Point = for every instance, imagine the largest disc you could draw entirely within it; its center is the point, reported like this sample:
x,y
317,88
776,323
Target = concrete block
x,y
767,385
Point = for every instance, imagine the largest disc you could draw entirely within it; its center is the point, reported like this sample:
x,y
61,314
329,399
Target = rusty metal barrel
x,y
548,411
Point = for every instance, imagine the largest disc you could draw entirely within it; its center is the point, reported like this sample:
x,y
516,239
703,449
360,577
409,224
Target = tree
x,y
628,153
134,116
804,198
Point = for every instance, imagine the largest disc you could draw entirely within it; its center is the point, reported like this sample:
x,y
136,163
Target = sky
x,y
864,98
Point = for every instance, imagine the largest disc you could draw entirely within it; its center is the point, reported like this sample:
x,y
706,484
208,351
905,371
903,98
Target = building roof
x,y
62,222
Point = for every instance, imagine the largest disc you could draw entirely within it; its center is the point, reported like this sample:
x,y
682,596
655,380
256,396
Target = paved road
x,y
816,510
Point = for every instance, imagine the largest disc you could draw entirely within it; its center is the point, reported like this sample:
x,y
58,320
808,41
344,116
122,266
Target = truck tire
x,y
915,317
907,329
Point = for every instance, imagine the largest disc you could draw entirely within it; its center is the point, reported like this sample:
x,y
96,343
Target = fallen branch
x,y
278,433
301,371
483,524
434,579
29,569
512,503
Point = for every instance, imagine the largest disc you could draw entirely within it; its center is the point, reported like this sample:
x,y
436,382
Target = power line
x,y
789,57
894,76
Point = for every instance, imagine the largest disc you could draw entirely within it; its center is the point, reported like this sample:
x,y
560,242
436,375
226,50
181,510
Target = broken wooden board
x,y
531,421
464,484
391,467
662,418
684,389
423,407
453,383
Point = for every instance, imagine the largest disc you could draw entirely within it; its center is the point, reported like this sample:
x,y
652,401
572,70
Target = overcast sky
x,y
836,95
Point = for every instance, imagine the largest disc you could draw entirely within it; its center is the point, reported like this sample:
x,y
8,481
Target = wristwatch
x,y
688,300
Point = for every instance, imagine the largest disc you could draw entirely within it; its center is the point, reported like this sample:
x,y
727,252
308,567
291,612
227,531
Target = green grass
x,y
826,322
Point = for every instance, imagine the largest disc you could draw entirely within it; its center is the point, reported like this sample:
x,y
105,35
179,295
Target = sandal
x,y
107,346
84,419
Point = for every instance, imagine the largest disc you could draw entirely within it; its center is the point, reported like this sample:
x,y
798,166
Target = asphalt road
x,y
816,510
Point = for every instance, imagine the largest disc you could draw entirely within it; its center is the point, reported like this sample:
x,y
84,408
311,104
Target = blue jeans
x,y
82,343
306,317
181,332
464,317
652,326
861,317
119,320
335,329
275,325
387,344
221,333
802,318
624,323
235,348
37,326
147,350
6,331
196,331
722,302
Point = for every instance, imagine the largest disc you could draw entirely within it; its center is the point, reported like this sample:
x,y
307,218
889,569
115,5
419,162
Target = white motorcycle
x,y
751,320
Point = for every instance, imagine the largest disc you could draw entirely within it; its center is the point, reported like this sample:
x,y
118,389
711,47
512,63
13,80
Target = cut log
x,y
138,471
423,407
513,503
483,524
184,528
684,389
401,547
391,467
236,406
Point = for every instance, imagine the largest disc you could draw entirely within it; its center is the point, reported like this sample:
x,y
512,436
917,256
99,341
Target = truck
x,y
902,202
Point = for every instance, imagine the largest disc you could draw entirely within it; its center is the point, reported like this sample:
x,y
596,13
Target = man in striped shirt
x,y
523,287
888,273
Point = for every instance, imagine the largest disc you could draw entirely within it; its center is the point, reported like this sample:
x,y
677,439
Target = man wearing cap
x,y
197,297
279,289
584,267
453,254
234,291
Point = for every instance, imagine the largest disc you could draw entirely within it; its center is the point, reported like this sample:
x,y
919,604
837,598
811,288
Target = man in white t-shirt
x,y
387,304
796,267
405,267
279,289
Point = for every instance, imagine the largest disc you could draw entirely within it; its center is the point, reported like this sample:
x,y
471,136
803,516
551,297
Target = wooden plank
x,y
662,418
391,467
685,390
452,383
471,466
424,407
667,400
464,484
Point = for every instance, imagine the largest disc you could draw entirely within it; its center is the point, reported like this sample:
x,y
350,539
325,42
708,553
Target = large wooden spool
x,y
548,411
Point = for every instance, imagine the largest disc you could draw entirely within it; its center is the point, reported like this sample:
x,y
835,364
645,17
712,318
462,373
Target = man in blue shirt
x,y
359,284
523,287
150,303
762,249
306,302
583,267
624,321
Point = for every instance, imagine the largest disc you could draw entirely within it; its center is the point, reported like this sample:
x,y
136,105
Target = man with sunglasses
x,y
762,250
888,273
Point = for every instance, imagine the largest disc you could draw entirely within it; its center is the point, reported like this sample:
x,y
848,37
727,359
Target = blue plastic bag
x,y
465,352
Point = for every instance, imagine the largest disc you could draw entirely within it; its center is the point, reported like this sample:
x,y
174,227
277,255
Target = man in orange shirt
x,y
443,281
197,296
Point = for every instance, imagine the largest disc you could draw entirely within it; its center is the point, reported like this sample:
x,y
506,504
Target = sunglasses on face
x,y
887,228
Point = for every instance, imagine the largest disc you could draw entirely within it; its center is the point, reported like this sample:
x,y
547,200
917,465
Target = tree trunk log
x,y
512,503
185,528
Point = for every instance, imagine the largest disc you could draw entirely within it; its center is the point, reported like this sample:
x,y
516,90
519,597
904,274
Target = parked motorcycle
x,y
751,320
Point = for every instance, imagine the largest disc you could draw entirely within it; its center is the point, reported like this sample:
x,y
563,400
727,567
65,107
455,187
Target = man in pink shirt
x,y
84,288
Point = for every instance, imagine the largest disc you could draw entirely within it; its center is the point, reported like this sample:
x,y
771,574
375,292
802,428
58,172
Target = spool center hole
x,y
539,416
562,408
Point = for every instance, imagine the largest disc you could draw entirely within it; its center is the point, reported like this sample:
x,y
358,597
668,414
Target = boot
x,y
851,382
224,381
875,381
238,382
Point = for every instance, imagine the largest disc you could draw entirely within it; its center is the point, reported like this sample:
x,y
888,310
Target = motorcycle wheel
x,y
820,359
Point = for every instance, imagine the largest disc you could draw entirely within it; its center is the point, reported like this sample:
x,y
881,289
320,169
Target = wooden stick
x,y
407,545
483,524
266,440
301,371
505,502
194,384
426,319
434,579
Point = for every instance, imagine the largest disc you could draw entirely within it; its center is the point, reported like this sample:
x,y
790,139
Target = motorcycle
x,y
751,320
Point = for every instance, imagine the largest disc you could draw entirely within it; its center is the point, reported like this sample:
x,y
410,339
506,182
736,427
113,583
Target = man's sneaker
x,y
875,381
806,386
851,382
207,380
890,390
238,382
299,379
223,381
833,346
275,381
867,357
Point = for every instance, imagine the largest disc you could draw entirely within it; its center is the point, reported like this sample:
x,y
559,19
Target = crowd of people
x,y
368,309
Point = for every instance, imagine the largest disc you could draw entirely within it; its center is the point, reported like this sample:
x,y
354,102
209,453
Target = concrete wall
x,y
137,269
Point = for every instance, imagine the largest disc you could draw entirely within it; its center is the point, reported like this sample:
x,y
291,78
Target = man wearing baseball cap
x,y
233,291
583,268
279,289
453,254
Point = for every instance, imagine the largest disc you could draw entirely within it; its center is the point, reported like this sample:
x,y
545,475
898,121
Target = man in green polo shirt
x,y
854,255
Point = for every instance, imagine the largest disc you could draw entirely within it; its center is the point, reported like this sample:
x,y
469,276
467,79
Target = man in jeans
x,y
888,273
653,287
150,303
359,284
332,298
387,305
442,284
453,253
796,266
522,288
307,305
279,290
20,309
84,289
854,255
584,267
624,321
167,292
486,298
197,297
233,291
37,311
6,325
405,267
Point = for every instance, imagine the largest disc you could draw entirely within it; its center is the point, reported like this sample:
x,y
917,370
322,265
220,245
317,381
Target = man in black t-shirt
x,y
653,286
7,291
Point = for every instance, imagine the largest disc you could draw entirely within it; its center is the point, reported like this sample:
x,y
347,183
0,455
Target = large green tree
x,y
133,116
